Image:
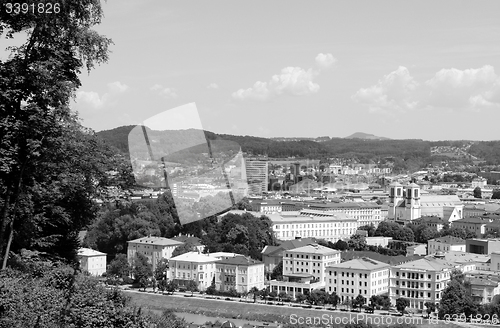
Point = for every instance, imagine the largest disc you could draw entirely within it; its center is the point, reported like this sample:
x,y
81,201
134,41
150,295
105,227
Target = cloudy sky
x,y
399,69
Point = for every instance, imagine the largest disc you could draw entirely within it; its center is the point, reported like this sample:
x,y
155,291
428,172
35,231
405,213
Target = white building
x,y
240,273
419,281
445,244
364,276
311,223
154,248
92,261
304,268
194,266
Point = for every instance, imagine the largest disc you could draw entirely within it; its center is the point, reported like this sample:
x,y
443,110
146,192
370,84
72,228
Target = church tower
x,y
395,197
413,210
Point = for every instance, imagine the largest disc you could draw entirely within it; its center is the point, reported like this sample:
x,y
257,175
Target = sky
x,y
398,69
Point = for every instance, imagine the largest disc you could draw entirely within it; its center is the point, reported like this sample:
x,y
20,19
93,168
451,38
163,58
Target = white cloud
x,y
393,91
90,97
213,86
448,88
164,91
117,87
96,101
293,81
325,60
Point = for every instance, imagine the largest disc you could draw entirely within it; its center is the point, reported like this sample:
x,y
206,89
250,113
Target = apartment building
x,y
364,276
154,248
478,210
304,268
483,288
365,213
419,281
240,273
474,224
92,261
311,223
273,255
194,266
445,244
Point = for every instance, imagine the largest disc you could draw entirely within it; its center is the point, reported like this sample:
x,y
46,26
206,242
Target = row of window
x,y
415,294
315,225
373,275
415,285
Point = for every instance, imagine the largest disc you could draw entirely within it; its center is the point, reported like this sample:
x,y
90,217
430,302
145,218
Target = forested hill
x,y
360,149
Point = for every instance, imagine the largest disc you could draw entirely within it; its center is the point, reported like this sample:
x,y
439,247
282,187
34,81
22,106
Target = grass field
x,y
260,312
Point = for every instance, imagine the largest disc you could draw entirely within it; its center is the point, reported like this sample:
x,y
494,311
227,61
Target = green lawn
x,y
258,312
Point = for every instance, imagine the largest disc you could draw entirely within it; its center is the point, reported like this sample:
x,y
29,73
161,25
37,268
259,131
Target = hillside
x,y
403,152
362,135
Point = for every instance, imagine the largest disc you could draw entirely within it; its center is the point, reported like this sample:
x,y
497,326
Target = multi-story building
x,y
154,248
240,273
495,261
366,213
445,244
266,206
304,269
92,261
475,210
419,281
273,255
483,288
192,240
200,268
474,224
482,246
364,276
310,223
433,222
465,262
257,173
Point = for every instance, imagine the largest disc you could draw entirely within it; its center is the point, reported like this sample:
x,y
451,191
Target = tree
x,y
477,192
456,298
370,228
402,303
340,245
333,299
495,194
430,308
161,270
255,292
119,266
357,243
142,269
359,301
172,286
300,298
211,290
37,83
277,273
184,248
191,286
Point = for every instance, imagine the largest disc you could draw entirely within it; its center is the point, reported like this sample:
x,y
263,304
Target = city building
x,y
495,261
154,248
475,210
311,223
433,222
273,255
482,246
239,273
257,173
445,244
363,276
463,261
92,261
366,213
266,206
378,241
417,249
304,269
409,204
194,266
474,224
419,281
189,239
483,288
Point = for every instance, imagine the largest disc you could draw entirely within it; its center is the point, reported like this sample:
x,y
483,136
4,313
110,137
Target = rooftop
x,y
427,264
315,249
195,257
364,263
89,252
451,240
240,260
161,241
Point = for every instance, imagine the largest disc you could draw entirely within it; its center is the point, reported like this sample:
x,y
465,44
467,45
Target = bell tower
x,y
412,202
395,198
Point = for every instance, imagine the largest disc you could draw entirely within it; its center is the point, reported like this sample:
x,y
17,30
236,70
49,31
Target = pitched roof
x,y
451,240
428,264
156,241
314,249
195,241
240,260
89,252
195,257
364,263
392,260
